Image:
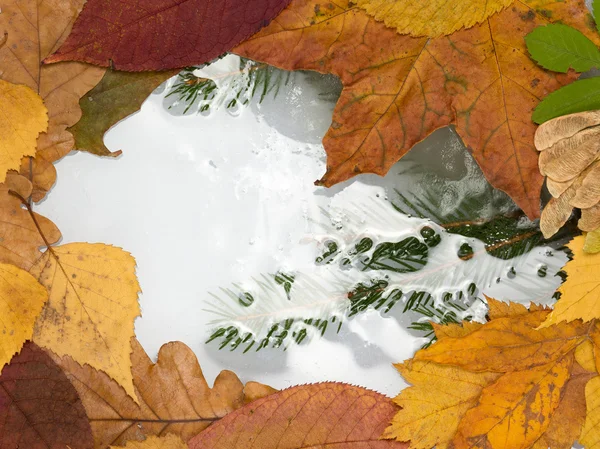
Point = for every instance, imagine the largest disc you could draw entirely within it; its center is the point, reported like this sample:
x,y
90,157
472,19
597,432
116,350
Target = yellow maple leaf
x,y
433,18
21,300
169,441
24,117
433,407
590,435
580,293
92,305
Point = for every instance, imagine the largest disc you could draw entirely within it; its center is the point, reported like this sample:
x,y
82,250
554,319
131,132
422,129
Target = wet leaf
x,y
434,18
580,293
174,397
39,408
396,94
92,303
34,30
24,118
136,35
325,415
118,95
21,301
169,441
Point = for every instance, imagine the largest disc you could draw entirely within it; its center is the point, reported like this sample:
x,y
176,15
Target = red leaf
x,y
139,35
325,416
39,408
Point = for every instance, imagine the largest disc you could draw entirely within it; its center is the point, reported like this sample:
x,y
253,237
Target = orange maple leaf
x,y
398,89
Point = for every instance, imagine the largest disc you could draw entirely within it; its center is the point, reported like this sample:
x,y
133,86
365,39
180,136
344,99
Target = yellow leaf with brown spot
x,y
21,300
584,355
24,117
398,89
580,293
169,441
435,403
92,303
590,435
174,397
515,411
35,29
433,18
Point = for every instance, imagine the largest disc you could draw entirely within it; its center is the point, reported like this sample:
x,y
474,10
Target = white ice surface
x,y
202,202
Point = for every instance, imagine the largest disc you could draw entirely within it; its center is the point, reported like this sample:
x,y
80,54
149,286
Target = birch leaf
x,y
91,307
590,435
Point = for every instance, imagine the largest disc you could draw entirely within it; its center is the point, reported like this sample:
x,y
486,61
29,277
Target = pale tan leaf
x,y
565,127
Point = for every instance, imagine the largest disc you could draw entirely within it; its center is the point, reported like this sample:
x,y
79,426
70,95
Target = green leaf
x,y
559,47
582,95
116,96
596,11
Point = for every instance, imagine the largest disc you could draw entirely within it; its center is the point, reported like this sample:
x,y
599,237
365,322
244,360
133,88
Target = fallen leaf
x,y
325,415
499,387
92,303
39,408
21,241
590,435
434,18
514,411
580,293
21,301
118,95
592,242
174,397
432,408
169,441
24,118
34,30
395,94
111,33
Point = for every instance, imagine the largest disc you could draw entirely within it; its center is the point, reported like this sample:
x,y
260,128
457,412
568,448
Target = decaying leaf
x,y
501,387
24,118
33,30
92,303
169,441
39,408
580,293
570,158
125,35
434,18
21,300
21,241
118,95
174,397
395,94
325,415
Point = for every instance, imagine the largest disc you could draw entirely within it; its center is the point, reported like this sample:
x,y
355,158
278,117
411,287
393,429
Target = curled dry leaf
x,y
123,35
39,408
33,30
116,96
480,79
499,386
169,441
570,158
326,415
24,118
174,397
580,293
21,301
92,303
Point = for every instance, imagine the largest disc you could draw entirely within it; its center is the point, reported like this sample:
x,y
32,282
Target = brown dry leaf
x,y
92,303
588,194
20,240
399,89
565,127
558,211
169,441
34,30
533,396
174,397
590,219
557,188
432,408
326,415
24,117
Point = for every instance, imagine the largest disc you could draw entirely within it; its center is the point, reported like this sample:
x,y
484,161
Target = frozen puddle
x,y
228,229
